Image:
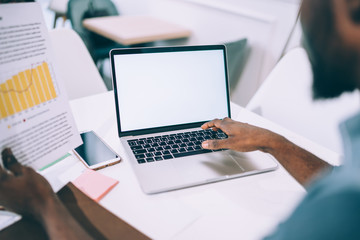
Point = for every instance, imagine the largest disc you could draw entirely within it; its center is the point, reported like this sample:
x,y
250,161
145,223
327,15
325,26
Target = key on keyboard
x,y
171,146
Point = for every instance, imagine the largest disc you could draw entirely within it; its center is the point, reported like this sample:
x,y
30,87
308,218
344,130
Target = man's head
x,y
331,32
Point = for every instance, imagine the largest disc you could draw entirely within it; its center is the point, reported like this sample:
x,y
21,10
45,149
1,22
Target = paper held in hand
x,y
35,117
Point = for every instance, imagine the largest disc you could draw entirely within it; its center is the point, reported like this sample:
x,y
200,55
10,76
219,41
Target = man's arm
x,y
301,164
26,192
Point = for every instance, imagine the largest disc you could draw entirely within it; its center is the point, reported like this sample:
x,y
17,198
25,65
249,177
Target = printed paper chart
x,y
26,89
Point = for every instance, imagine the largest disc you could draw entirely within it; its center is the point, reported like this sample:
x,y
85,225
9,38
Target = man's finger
x,y
212,124
10,162
215,144
3,173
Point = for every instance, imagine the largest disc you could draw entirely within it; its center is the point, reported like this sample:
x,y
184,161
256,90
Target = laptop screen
x,y
159,88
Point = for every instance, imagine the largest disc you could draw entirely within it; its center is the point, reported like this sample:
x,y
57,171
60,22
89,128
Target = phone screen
x,y
93,151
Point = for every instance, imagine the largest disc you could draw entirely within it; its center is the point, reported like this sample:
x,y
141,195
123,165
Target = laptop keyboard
x,y
171,146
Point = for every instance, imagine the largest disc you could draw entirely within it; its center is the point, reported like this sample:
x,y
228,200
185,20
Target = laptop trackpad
x,y
207,166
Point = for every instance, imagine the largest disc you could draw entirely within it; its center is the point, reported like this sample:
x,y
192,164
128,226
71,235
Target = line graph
x,y
26,89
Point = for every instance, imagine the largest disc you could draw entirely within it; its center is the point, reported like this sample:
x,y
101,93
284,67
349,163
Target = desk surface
x,y
245,208
128,30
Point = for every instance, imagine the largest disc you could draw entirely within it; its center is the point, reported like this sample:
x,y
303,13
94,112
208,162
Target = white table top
x,y
243,208
128,30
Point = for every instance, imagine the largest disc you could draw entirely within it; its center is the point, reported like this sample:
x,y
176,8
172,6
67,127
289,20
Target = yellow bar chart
x,y
26,89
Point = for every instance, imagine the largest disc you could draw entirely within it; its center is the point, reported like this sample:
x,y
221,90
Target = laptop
x,y
162,96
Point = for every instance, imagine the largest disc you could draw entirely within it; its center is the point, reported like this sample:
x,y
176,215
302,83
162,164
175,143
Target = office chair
x,y
76,67
59,7
78,10
237,53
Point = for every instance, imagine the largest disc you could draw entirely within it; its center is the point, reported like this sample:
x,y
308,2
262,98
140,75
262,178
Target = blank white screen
x,y
163,89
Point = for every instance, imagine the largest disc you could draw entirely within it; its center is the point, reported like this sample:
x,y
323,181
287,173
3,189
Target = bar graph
x,y
26,89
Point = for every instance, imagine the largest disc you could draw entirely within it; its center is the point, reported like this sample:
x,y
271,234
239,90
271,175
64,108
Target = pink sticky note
x,y
94,184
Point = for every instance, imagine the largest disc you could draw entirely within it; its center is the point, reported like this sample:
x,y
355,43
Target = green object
x,y
237,53
53,163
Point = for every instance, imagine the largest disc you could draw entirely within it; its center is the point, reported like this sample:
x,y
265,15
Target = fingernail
x,y
9,160
205,144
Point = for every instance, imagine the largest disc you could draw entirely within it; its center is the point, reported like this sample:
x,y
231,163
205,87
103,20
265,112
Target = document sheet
x,y
35,117
7,218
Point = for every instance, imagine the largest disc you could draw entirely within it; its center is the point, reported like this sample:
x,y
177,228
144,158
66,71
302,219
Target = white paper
x,y
8,218
35,117
72,173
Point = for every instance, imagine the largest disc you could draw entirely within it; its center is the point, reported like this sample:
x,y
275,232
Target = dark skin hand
x,y
301,164
24,191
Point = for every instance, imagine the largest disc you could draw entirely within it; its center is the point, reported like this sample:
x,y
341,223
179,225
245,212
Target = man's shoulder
x,y
331,209
336,184
338,193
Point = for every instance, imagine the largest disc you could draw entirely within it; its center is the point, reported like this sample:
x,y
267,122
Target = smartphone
x,y
94,153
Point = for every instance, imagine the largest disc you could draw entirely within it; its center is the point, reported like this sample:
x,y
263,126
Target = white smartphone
x,y
94,153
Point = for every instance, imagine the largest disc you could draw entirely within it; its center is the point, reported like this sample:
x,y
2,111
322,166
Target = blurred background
x,y
269,73
257,32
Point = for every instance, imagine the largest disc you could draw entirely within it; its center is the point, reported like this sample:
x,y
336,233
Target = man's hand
x,y
22,190
26,192
241,136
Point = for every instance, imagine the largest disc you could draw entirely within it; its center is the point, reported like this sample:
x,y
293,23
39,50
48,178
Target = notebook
x,y
162,97
94,184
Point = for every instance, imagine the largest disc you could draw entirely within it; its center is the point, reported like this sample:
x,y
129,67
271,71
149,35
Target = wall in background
x,y
266,24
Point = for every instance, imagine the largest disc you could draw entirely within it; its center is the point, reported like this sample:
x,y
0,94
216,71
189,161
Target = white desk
x,y
129,30
243,208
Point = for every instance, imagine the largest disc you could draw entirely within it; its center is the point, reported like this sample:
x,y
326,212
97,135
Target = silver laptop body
x,y
162,97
